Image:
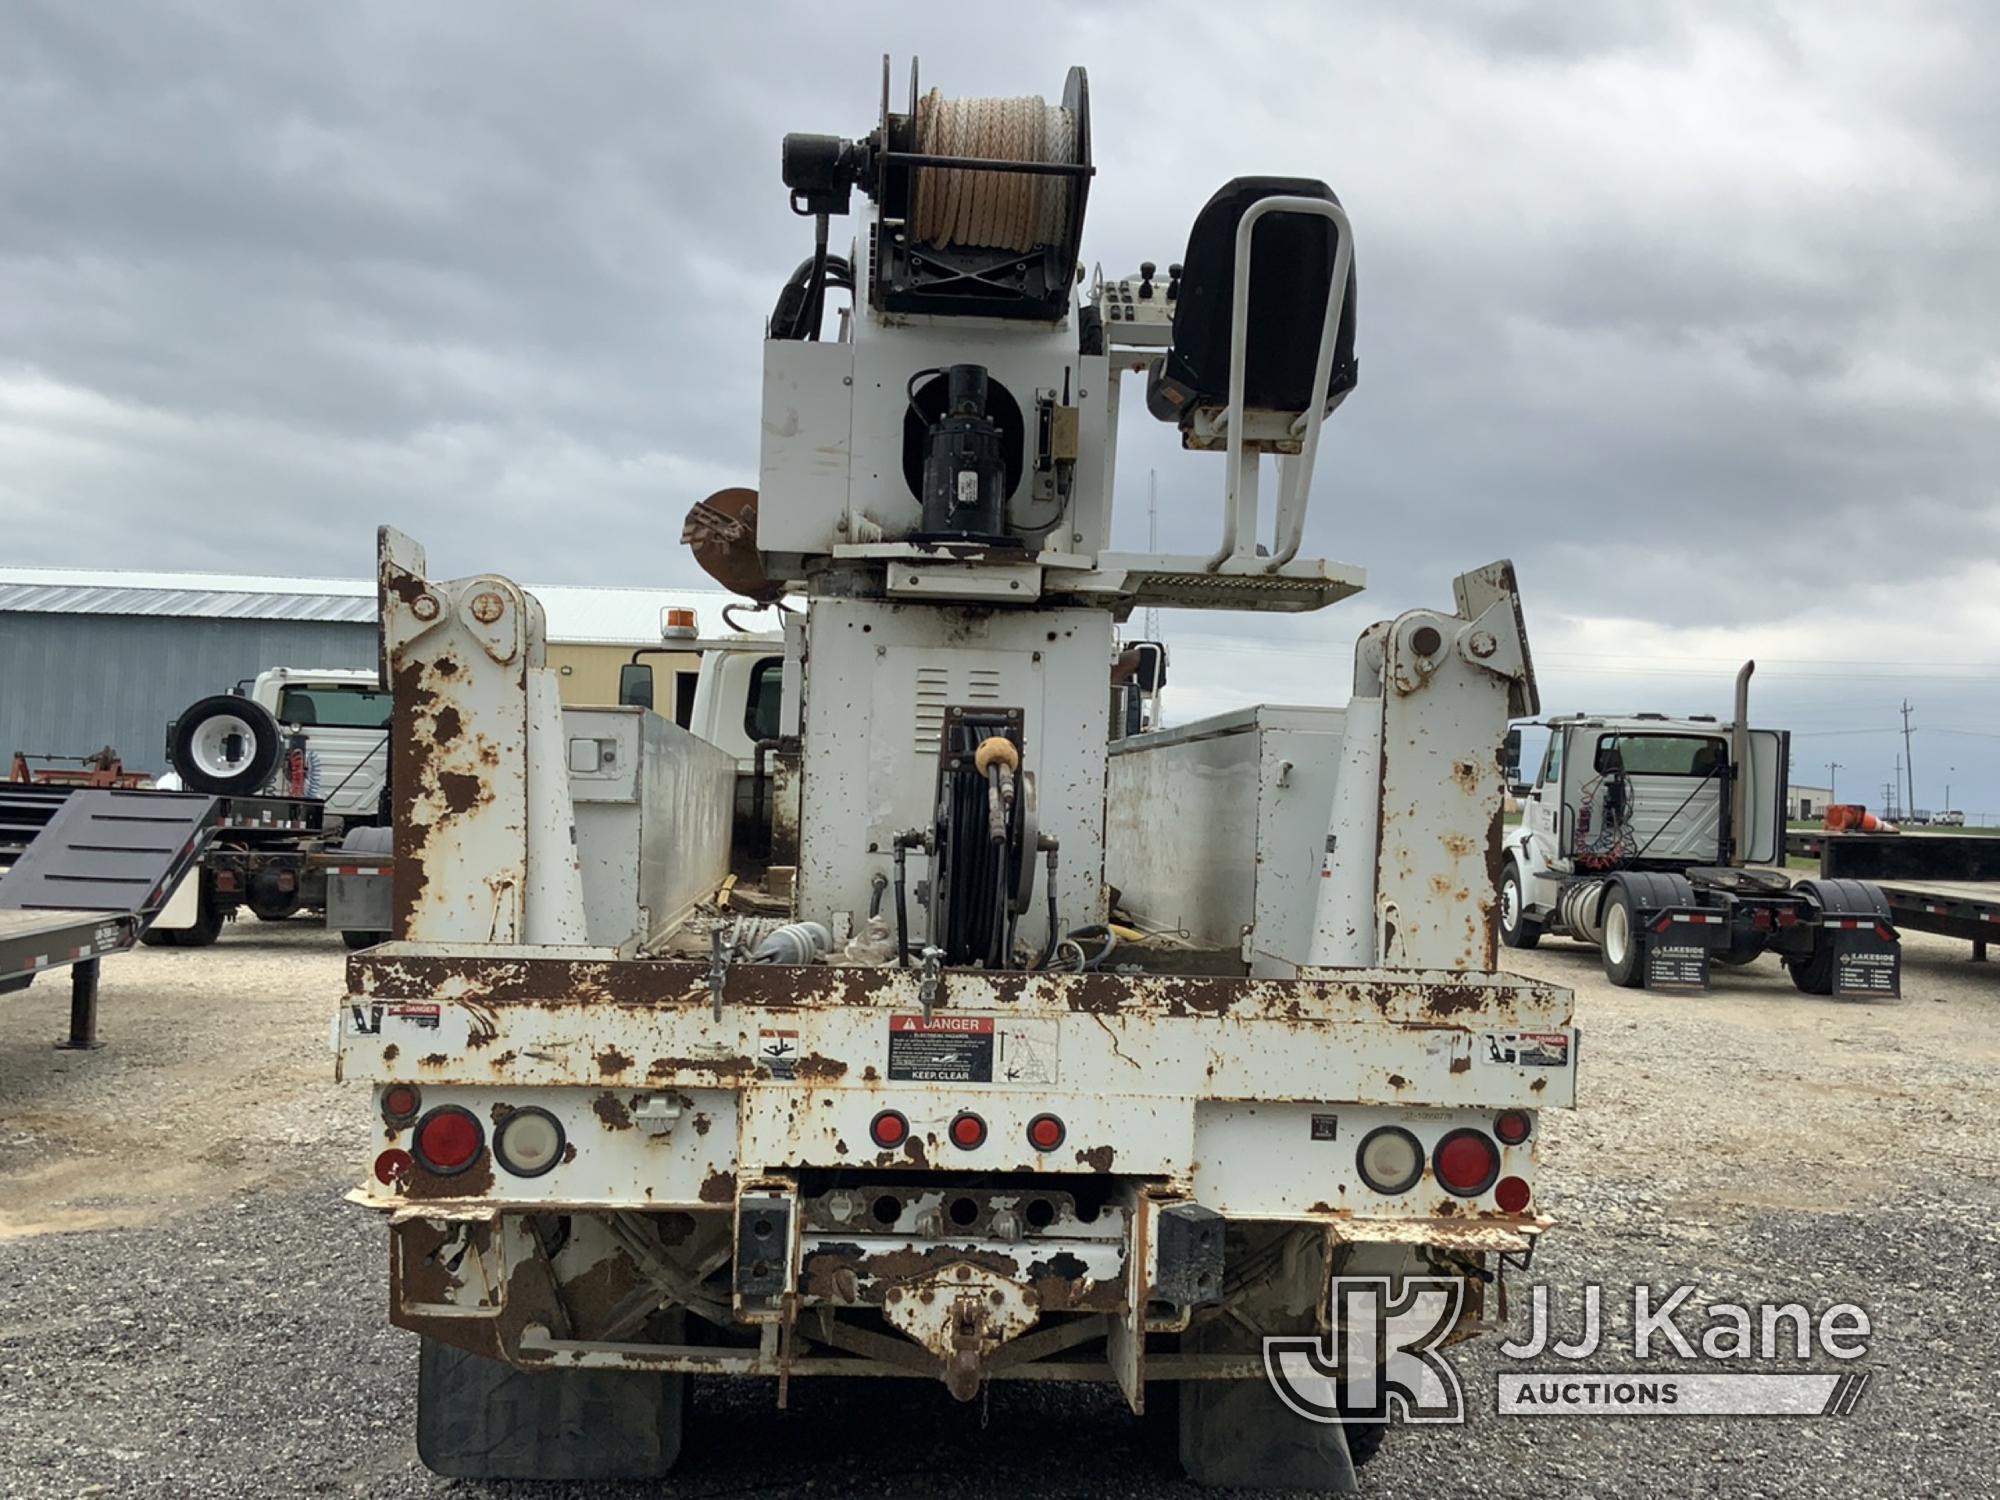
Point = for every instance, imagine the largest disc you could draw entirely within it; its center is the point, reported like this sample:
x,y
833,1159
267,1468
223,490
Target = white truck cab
x,y
1661,841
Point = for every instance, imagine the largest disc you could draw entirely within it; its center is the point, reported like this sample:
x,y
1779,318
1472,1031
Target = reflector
x,y
1046,1132
889,1129
448,1140
1466,1162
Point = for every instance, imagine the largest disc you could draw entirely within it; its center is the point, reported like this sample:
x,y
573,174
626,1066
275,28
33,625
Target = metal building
x,y
93,658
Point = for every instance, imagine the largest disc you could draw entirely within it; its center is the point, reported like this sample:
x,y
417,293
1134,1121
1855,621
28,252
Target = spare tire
x,y
226,746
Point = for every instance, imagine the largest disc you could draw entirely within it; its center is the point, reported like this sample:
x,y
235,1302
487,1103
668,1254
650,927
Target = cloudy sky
x,y
1690,309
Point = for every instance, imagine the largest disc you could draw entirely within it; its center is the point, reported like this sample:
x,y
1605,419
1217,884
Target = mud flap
x,y
1867,958
1675,951
483,1420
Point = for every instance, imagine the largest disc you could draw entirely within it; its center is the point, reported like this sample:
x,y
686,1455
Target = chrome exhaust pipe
x,y
1739,767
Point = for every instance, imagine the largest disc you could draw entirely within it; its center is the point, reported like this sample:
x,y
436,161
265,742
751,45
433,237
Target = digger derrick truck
x,y
945,1125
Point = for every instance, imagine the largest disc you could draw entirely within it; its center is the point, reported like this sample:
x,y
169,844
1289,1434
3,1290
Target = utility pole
x,y
1949,771
1909,766
1833,767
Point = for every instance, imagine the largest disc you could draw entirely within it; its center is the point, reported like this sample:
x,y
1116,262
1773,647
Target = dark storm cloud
x,y
1688,308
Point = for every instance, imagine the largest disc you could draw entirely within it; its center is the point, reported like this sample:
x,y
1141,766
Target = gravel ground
x,y
187,1307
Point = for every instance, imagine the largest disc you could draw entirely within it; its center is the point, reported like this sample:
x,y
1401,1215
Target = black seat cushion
x,y
1291,270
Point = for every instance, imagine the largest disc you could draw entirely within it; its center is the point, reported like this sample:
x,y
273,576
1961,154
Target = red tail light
x,y
1512,1126
1466,1162
889,1129
449,1140
393,1166
968,1131
400,1103
1046,1132
1511,1193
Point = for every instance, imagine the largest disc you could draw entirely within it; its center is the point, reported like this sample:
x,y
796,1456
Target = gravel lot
x,y
187,1307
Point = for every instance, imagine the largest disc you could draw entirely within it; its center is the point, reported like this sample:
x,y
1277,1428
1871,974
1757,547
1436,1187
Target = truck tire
x,y
356,941
226,746
1813,974
207,922
1517,928
1623,946
480,1419
1237,1434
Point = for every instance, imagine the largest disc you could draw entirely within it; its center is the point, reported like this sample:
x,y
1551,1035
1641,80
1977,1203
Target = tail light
x,y
1046,1132
1466,1162
393,1166
1512,1194
400,1103
1512,1126
449,1140
528,1142
967,1131
889,1129
1390,1160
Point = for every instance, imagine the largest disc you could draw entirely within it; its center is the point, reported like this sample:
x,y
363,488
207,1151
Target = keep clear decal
x,y
946,1048
1524,1049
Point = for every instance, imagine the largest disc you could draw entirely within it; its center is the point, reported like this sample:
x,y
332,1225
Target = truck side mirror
x,y
635,684
1510,757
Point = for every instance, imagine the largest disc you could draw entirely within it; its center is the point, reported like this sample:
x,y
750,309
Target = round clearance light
x,y
393,1166
968,1131
1512,1126
400,1103
448,1140
1512,1194
528,1142
1390,1160
1046,1132
889,1130
1466,1163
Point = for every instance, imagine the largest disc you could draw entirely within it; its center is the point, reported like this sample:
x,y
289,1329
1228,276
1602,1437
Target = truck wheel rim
x,y
1510,904
210,744
1617,933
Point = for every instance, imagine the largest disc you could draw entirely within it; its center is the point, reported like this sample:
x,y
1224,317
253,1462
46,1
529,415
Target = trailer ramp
x,y
89,879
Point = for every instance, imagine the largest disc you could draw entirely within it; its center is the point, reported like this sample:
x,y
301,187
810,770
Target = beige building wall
x,y
589,672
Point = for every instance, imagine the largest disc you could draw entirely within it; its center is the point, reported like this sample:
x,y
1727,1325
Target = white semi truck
x,y
946,1124
1661,842
299,760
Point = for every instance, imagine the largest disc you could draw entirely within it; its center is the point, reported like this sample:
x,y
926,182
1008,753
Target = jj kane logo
x,y
1383,1361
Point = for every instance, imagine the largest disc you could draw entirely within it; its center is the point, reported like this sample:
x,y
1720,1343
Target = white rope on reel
x,y
992,210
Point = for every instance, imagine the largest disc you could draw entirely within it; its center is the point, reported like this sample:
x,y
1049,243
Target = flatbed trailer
x,y
1935,882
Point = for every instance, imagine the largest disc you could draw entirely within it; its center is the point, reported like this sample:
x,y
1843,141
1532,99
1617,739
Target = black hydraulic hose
x,y
815,305
902,913
1055,926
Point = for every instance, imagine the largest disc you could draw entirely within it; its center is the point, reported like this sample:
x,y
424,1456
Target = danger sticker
x,y
415,1014
1525,1049
972,1049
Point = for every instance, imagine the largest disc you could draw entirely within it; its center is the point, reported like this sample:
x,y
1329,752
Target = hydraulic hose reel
x,y
987,837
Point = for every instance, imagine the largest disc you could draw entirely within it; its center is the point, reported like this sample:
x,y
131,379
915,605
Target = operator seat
x,y
1291,270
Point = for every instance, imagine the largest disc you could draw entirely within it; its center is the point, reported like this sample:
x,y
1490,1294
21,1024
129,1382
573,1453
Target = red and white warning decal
x,y
956,1048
